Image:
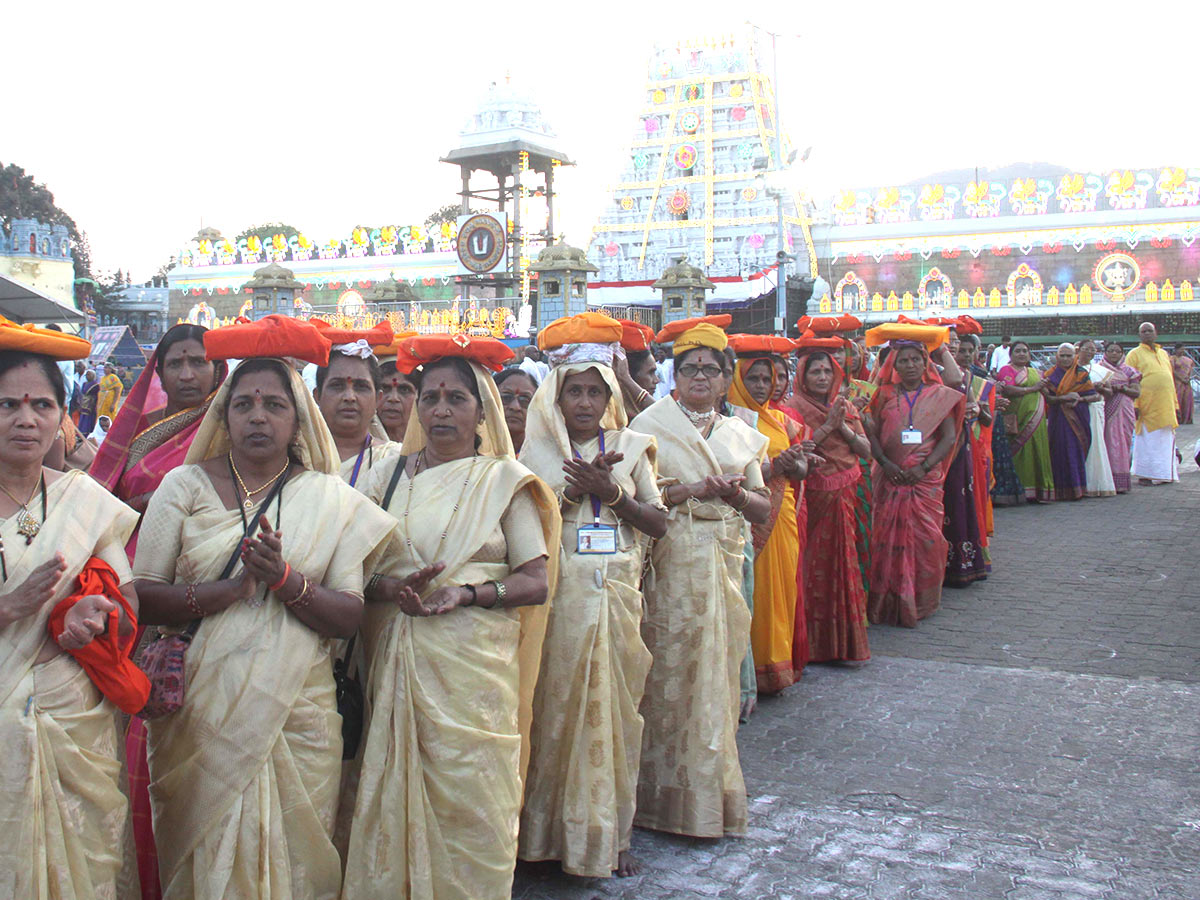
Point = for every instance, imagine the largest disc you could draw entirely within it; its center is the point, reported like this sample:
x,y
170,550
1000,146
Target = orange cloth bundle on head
x,y
43,341
702,331
106,659
377,336
423,348
932,336
393,349
635,336
761,344
274,336
812,341
829,324
584,328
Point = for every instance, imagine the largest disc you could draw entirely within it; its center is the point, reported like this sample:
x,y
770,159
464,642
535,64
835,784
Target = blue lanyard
x,y
911,403
595,499
358,462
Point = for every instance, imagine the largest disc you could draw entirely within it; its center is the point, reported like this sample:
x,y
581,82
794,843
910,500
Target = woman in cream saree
x,y
449,695
587,731
63,813
697,624
244,775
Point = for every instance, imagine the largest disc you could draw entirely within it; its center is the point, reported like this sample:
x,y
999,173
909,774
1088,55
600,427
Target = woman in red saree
x,y
149,437
915,421
837,601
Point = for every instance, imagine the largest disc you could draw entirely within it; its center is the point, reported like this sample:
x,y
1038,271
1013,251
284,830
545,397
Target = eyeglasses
x,y
523,399
691,370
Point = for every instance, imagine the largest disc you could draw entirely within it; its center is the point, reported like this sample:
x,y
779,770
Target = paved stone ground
x,y
1038,737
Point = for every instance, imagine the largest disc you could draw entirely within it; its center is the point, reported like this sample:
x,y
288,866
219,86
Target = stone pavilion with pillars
x,y
274,290
562,272
684,290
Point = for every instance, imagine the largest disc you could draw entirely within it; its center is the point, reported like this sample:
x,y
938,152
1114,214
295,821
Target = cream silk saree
x,y
63,814
587,732
244,776
697,627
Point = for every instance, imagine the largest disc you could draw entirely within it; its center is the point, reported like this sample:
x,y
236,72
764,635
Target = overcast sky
x,y
146,119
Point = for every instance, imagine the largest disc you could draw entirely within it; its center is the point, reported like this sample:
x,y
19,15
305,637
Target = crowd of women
x,y
436,615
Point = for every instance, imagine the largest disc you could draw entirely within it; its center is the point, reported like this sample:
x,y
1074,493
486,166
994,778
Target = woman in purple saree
x,y
1068,392
1119,384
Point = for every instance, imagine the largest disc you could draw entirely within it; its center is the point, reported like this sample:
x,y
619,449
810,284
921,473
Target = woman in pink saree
x,y
913,426
149,437
1119,384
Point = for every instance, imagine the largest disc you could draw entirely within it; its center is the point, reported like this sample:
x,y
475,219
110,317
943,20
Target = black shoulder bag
x,y
349,687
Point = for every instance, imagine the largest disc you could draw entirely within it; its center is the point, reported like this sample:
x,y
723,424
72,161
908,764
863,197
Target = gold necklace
x,y
27,525
248,503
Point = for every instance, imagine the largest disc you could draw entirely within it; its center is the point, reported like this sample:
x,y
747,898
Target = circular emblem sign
x,y
1117,273
689,121
481,242
685,156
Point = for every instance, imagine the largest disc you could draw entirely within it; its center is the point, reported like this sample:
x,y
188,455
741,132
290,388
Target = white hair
x,y
1068,345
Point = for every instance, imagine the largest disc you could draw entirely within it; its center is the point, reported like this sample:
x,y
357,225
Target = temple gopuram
x,y
1037,250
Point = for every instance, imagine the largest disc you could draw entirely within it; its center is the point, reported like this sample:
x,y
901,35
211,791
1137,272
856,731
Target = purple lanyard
x,y
358,462
595,499
911,403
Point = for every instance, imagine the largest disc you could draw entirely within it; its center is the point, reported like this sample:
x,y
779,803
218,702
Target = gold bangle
x,y
745,502
620,496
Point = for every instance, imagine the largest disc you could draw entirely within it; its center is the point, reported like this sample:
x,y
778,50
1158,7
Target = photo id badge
x,y
596,539
910,436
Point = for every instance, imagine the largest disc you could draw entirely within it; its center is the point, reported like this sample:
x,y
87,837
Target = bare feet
x,y
627,865
748,706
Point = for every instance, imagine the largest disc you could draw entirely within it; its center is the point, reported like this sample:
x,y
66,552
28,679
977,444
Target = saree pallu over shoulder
x,y
244,776
449,697
696,627
63,812
587,732
1030,446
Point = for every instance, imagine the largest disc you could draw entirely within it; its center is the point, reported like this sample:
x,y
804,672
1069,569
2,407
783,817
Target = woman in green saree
x,y
1025,423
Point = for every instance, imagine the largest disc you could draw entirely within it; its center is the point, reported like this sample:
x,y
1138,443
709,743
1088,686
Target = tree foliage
x,y
448,213
268,230
22,197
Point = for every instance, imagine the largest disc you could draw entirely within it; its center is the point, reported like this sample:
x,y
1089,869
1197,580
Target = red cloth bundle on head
x,y
761,344
399,340
635,336
966,325
425,348
274,336
106,659
584,328
829,324
42,341
377,336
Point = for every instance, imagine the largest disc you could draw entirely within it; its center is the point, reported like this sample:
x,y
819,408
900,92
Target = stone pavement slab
x,y
1038,737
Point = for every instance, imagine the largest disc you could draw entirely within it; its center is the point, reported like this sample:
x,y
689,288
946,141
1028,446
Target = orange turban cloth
x,y
378,336
42,341
829,324
635,336
811,341
585,328
703,331
761,344
421,349
274,336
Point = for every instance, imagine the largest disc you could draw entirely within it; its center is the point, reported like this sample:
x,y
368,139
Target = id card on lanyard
x,y
911,435
597,538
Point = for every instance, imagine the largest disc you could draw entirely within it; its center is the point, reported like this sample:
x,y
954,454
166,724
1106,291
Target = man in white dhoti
x,y
1154,460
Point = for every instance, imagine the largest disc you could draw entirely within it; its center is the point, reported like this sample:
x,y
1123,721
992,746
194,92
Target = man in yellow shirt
x,y
1154,460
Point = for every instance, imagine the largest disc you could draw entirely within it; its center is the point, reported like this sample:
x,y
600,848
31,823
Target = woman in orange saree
x,y
149,437
837,601
915,422
774,626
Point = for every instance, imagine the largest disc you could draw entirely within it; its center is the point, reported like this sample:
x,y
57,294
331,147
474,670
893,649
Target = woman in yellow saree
x,y
587,731
244,775
110,394
696,623
777,615
63,813
453,668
